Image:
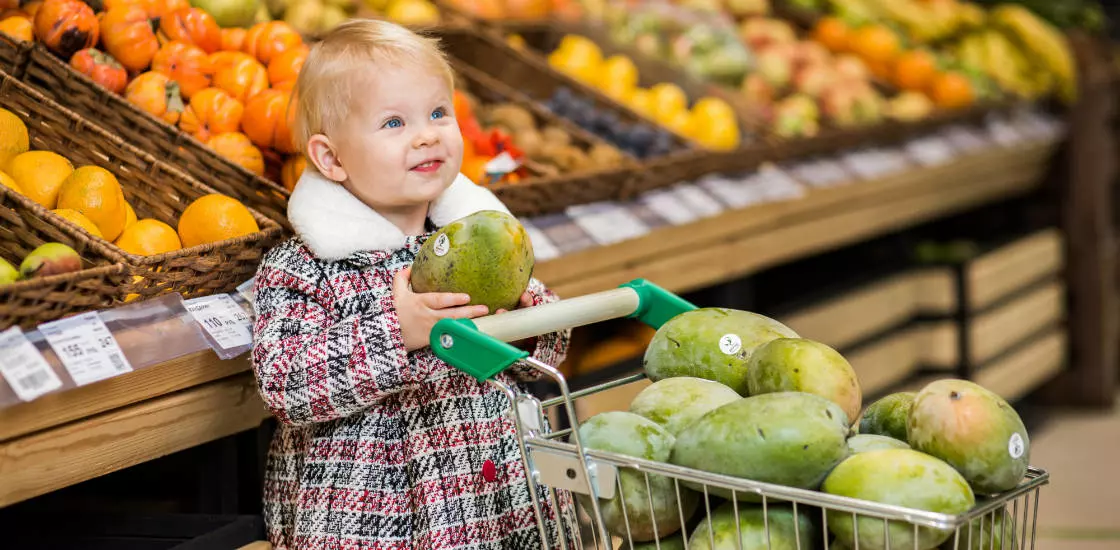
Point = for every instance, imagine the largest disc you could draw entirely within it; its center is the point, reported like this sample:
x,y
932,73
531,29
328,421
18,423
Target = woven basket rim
x,y
50,280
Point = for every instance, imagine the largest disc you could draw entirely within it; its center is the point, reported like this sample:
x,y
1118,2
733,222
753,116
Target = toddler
x,y
380,444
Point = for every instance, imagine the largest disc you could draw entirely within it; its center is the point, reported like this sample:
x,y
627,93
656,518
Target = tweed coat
x,y
378,448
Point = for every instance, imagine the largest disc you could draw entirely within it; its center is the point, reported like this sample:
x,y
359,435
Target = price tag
x,y
24,367
86,348
696,200
929,151
607,223
1003,132
821,173
225,321
247,290
733,193
668,206
543,249
966,139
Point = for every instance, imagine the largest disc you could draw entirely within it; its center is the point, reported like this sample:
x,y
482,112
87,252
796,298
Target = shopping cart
x,y
560,465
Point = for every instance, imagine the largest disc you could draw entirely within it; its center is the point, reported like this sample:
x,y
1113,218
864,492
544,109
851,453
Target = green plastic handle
x,y
655,304
459,343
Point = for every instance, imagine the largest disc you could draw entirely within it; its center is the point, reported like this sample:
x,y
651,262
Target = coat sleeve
x,y
312,367
550,349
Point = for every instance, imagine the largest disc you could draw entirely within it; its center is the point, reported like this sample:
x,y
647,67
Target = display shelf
x,y
51,459
738,242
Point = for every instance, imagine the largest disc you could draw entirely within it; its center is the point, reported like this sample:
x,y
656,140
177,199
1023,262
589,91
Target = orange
x,y
79,220
95,193
292,170
40,175
914,70
7,181
18,27
952,91
13,137
130,215
215,218
149,237
875,43
832,33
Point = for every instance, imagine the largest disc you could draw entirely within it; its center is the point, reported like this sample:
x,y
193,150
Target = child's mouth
x,y
428,166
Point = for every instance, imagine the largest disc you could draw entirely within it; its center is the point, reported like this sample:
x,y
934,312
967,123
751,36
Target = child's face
x,y
400,147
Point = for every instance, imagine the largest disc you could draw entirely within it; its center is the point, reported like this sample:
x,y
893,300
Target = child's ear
x,y
321,153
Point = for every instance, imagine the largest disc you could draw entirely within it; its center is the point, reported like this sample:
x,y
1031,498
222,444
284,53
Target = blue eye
x,y
394,123
438,114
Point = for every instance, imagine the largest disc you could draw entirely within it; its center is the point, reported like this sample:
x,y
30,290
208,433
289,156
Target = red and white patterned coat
x,y
378,448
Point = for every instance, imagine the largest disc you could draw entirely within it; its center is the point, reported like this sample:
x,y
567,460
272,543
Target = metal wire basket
x,y
791,518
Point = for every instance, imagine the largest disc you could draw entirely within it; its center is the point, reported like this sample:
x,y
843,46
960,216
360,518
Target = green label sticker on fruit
x,y
730,344
1015,446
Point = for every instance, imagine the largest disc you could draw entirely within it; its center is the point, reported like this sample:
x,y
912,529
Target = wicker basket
x,y
33,65
28,303
155,190
551,193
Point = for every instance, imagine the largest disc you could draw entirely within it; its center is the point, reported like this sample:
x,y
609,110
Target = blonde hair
x,y
323,92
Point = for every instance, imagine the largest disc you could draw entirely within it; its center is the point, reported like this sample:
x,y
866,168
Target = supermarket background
x,y
924,185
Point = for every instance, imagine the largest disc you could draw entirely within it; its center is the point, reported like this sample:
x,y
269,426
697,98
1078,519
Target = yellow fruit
x,y
668,100
413,12
581,46
579,66
96,193
713,108
215,218
149,237
79,220
130,216
13,137
681,123
516,41
40,175
617,72
641,101
720,134
10,183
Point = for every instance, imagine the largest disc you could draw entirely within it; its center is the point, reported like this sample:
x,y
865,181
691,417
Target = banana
x,y
1005,63
1041,40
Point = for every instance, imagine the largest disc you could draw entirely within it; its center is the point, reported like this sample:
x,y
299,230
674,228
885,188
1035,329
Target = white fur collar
x,y
335,224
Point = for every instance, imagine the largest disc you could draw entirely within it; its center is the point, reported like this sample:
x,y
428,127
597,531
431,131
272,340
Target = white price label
x,y
223,319
668,206
24,367
929,151
543,249
86,348
733,193
247,290
1003,132
822,173
607,223
696,200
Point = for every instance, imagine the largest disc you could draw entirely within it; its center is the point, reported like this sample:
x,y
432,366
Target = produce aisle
x,y
714,153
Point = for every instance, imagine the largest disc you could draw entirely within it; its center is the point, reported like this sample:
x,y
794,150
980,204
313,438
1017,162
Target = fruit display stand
x,y
181,396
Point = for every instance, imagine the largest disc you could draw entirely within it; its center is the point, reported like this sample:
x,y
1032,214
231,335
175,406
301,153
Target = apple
x,y
50,259
756,90
774,67
812,80
741,8
851,68
852,105
8,273
759,32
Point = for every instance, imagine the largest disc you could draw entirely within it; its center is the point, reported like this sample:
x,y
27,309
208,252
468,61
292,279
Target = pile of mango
x,y
739,394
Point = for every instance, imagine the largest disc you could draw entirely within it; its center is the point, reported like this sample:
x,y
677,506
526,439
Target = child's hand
x,y
526,301
529,343
418,313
